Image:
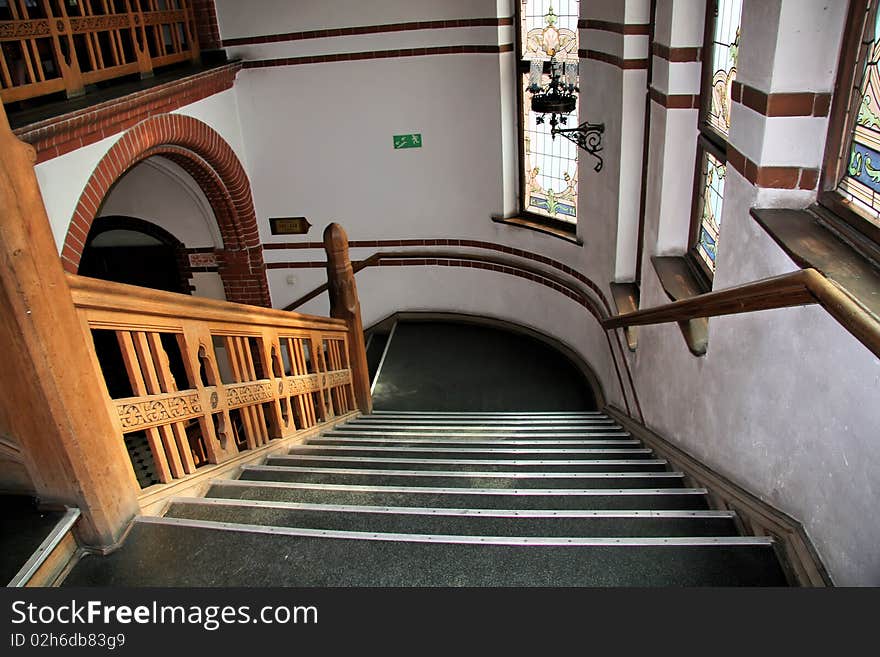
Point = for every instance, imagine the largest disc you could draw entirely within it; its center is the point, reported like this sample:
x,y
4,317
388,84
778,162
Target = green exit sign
x,y
408,141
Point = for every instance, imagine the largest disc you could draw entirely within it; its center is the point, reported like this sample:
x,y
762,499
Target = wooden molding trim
x,y
62,134
368,29
380,54
781,104
639,29
675,101
773,177
800,559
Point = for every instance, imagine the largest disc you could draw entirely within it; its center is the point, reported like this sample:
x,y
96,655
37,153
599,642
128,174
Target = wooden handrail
x,y
54,46
203,380
802,287
596,307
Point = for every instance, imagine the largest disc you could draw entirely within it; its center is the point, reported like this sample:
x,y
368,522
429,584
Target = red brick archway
x,y
206,156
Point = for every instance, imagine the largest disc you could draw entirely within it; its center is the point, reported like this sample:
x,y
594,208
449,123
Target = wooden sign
x,y
289,225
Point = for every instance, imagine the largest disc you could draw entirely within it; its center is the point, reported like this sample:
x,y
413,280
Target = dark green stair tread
x,y
164,555
473,525
485,453
376,497
640,480
514,443
390,464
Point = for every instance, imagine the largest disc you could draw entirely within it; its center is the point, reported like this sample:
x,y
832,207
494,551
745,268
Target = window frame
x,y
522,68
843,215
708,140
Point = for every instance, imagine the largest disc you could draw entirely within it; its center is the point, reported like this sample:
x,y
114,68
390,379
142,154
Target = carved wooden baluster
x,y
132,367
349,387
197,350
236,358
142,348
269,353
344,304
68,65
168,384
250,372
305,401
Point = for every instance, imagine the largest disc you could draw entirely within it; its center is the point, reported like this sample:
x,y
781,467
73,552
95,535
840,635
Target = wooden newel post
x,y
52,402
344,304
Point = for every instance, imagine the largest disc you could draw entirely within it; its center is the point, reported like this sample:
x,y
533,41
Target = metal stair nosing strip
x,y
510,462
519,492
441,511
762,541
469,450
465,474
357,440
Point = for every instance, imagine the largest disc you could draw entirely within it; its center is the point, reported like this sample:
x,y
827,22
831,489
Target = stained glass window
x,y
725,50
722,46
861,183
549,166
712,176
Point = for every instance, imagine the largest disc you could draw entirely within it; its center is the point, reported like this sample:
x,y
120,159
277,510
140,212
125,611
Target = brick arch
x,y
213,165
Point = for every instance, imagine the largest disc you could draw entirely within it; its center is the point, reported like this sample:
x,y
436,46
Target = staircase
x,y
447,499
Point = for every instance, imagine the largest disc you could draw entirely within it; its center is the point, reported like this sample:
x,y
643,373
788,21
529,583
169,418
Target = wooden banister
x,y
344,305
51,402
802,287
203,380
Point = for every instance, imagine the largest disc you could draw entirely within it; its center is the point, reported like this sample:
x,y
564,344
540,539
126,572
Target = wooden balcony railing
x,y
49,46
197,381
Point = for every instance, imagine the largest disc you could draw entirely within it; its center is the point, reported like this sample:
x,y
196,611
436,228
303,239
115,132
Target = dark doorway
x,y
133,251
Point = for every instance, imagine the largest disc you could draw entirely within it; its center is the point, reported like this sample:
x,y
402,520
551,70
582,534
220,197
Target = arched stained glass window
x,y
549,172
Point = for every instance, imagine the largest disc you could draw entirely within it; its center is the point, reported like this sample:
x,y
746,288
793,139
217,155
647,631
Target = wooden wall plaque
x,y
289,225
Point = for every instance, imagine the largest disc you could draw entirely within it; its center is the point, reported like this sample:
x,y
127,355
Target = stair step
x,y
417,520
453,479
476,498
466,465
480,425
489,414
479,432
473,452
471,437
469,442
168,552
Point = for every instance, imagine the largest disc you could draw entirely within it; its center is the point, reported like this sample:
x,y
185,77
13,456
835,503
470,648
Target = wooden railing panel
x,y
197,418
57,46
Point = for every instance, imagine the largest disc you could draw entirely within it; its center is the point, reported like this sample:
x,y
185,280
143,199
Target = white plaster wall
x,y
159,191
257,17
784,402
220,111
62,180
386,290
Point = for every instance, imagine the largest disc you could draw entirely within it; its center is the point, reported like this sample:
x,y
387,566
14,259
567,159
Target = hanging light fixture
x,y
558,96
